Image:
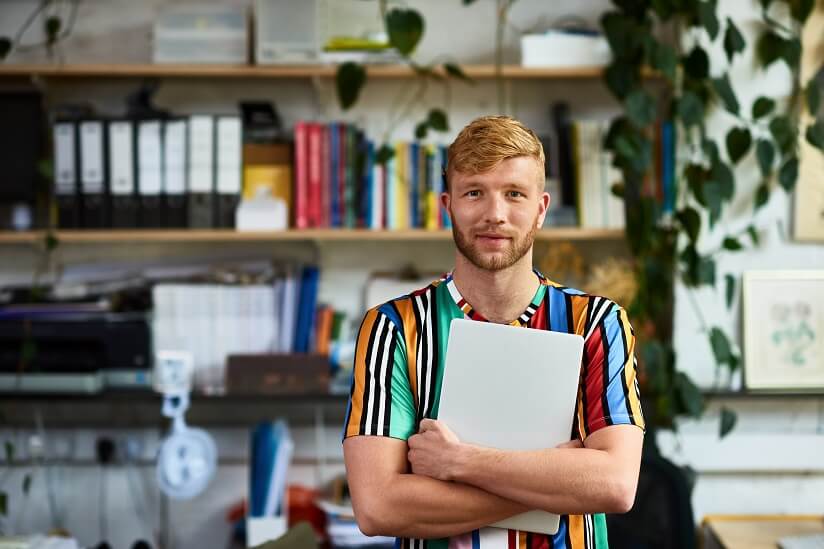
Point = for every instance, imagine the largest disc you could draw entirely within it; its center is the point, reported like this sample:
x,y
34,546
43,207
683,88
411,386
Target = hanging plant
x,y
666,247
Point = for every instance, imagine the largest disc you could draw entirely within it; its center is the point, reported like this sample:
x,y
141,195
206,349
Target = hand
x,y
434,450
574,443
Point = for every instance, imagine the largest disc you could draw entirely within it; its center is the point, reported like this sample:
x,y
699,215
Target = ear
x,y
543,207
446,203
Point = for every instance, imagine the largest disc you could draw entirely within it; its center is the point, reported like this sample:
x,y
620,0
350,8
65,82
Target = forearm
x,y
416,506
563,481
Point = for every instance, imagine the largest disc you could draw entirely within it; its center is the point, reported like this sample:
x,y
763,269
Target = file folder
x,y
174,173
149,175
229,169
124,205
65,175
201,172
94,199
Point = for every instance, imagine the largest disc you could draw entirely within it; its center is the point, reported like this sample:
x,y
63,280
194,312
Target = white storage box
x,y
557,48
195,33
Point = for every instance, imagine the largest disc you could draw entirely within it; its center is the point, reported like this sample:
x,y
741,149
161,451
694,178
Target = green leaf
x,y
762,107
765,4
455,71
695,175
728,420
623,36
732,244
733,40
617,189
739,141
51,241
437,120
9,447
788,174
640,108
384,154
664,59
725,93
792,53
783,131
711,150
714,198
690,109
405,28
467,2
720,346
708,19
691,221
52,28
4,509
730,289
762,195
813,97
801,9
722,174
620,78
697,63
689,395
26,483
5,47
706,271
815,134
753,232
766,155
421,130
770,48
350,79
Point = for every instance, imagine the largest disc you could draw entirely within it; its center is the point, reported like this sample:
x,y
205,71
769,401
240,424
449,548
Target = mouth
x,y
492,237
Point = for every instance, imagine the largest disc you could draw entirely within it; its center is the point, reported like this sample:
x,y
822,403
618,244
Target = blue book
x,y
414,186
445,221
667,167
306,309
369,184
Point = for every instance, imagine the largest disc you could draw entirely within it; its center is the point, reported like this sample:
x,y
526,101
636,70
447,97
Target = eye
x,y
515,194
473,194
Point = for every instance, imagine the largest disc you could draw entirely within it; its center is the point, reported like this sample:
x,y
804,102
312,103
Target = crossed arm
x,y
455,487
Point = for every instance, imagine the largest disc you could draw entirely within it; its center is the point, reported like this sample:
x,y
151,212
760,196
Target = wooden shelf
x,y
275,71
319,235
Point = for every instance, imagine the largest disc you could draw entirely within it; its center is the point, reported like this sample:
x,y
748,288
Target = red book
x,y
325,176
313,199
301,175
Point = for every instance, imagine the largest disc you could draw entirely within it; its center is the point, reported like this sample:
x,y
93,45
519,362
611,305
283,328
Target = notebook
x,y
511,388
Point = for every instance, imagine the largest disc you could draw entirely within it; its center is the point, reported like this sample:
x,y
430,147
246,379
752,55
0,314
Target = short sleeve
x,y
609,393
380,400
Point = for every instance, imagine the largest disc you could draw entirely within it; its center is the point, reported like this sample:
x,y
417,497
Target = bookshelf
x,y
316,235
277,71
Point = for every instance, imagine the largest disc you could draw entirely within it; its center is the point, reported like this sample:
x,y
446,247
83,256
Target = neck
x,y
500,296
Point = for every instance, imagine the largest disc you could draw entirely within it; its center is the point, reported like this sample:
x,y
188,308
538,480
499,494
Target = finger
x,y
413,441
426,425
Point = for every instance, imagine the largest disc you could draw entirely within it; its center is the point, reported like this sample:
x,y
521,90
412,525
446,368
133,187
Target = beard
x,y
497,261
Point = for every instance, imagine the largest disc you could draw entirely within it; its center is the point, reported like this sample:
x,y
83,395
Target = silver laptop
x,y
514,389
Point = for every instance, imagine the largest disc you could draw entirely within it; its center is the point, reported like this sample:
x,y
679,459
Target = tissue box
x,y
564,49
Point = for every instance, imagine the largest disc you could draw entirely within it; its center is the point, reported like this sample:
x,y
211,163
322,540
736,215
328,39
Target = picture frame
x,y
783,329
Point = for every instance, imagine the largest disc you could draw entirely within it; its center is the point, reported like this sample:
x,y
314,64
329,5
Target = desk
x,y
756,531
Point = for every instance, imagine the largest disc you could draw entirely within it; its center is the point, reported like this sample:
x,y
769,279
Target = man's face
x,y
495,214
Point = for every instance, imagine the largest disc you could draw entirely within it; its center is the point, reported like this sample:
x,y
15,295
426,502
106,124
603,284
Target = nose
x,y
495,212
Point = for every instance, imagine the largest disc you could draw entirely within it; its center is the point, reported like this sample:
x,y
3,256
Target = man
x,y
409,475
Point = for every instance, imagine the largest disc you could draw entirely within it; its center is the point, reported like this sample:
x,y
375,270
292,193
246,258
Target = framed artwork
x,y
809,197
783,321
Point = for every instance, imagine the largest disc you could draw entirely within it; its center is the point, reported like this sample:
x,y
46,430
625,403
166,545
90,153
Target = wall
x,y
777,430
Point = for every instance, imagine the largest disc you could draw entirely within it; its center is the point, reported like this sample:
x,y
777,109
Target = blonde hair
x,y
489,140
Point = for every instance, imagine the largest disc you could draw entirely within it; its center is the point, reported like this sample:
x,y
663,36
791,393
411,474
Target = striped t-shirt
x,y
399,367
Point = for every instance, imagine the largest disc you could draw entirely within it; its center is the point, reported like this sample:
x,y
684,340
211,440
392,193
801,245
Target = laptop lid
x,y
511,388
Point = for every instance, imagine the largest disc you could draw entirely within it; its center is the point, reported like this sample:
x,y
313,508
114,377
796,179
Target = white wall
x,y
120,31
